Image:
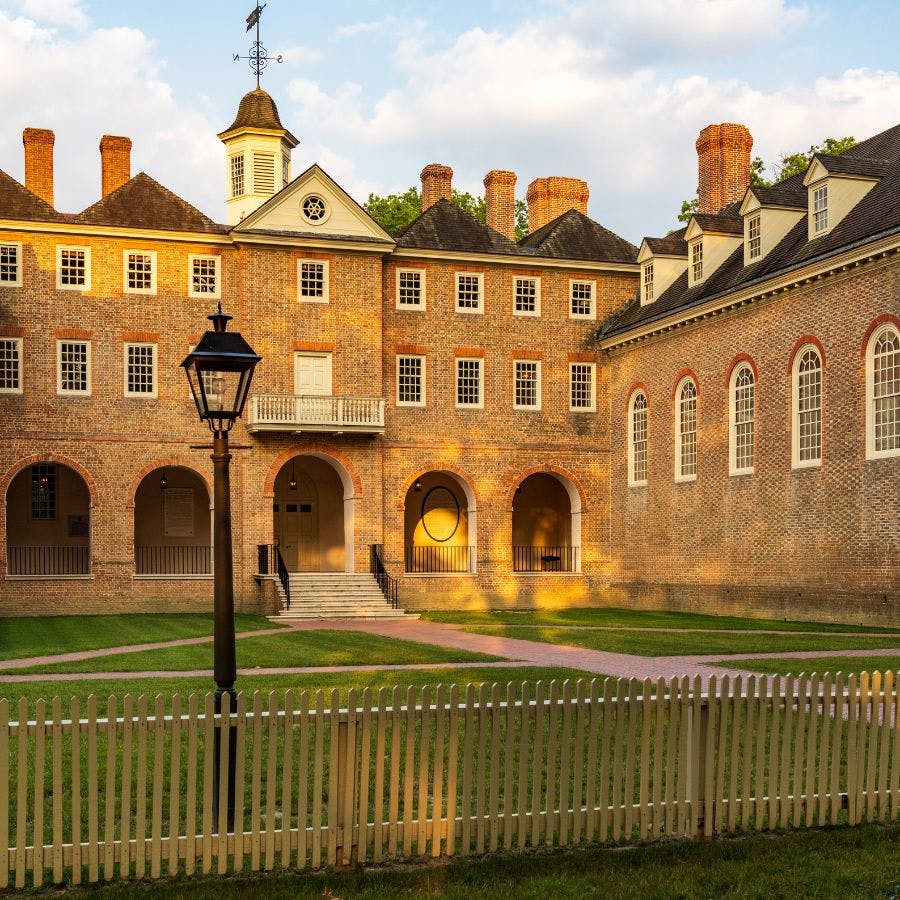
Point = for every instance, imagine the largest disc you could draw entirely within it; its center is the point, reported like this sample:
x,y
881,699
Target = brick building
x,y
559,420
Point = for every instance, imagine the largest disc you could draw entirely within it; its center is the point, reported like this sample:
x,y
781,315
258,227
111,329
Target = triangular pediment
x,y
294,210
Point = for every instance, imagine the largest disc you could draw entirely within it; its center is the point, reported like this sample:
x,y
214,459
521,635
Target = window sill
x,y
637,484
806,466
742,473
685,479
883,454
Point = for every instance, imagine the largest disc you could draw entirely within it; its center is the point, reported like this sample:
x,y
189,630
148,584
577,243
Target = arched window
x,y
686,431
743,413
637,440
883,393
807,408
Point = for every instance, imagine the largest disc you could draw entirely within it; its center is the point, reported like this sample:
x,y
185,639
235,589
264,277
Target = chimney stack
x,y
549,198
436,184
39,162
723,164
500,202
115,162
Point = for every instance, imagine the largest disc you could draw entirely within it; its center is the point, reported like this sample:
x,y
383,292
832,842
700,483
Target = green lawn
x,y
662,643
795,666
633,618
40,635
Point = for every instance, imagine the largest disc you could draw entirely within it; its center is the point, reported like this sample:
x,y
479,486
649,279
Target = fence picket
x,y
837,722
565,746
409,762
824,750
537,769
272,774
801,698
303,781
365,760
494,778
223,741
885,732
334,775
174,784
208,756
158,781
347,779
590,822
452,770
578,765
656,818
21,788
92,798
617,799
684,767
190,793
378,817
508,758
738,720
318,764
56,742
287,779
480,765
872,728
37,856
750,705
644,782
855,693
715,763
240,752
894,811
4,792
628,820
774,753
811,747
523,751
437,791
698,777
671,822
394,799
762,761
424,741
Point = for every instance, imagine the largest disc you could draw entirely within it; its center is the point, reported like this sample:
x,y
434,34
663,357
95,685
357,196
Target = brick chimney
x,y
548,198
115,162
723,163
500,201
437,182
39,162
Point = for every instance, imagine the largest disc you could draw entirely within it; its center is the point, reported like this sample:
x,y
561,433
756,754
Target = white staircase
x,y
336,596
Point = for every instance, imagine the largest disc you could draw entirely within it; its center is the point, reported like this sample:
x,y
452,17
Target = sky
x,y
610,91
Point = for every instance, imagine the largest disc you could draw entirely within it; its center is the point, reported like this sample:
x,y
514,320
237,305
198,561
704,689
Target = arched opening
x,y
312,511
440,525
172,524
48,522
546,525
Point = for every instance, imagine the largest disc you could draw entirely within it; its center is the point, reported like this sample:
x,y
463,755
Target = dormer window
x,y
648,282
697,261
754,241
820,209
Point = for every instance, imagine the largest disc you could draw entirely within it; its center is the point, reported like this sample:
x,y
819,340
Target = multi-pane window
x,y
204,278
73,367
140,370
526,384
648,282
808,408
43,492
884,393
743,412
581,386
637,440
468,292
140,272
312,280
237,175
820,209
469,382
686,424
410,289
73,268
10,365
581,299
526,296
754,238
410,380
10,265
697,260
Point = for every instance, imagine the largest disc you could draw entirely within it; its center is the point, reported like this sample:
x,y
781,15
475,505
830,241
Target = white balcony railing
x,y
293,412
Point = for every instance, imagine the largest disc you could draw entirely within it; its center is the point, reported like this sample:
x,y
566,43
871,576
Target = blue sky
x,y
612,91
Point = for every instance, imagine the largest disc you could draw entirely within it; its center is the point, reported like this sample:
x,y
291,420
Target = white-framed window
x,y
139,271
697,260
526,296
237,175
410,288
10,365
742,424
754,238
648,282
527,384
73,368
637,440
10,265
686,430
140,370
73,268
285,170
204,276
806,377
883,393
469,292
582,297
312,280
820,209
470,382
410,380
582,376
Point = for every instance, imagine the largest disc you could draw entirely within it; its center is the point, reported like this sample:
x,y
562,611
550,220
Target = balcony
x,y
297,413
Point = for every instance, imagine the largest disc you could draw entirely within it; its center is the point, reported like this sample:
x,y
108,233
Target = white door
x,y
312,374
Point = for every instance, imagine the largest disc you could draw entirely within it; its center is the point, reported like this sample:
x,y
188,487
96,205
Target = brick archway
x,y
463,476
546,469
340,461
171,462
57,460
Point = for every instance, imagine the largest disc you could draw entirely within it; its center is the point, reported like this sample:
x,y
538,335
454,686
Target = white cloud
x,y
299,54
357,28
56,12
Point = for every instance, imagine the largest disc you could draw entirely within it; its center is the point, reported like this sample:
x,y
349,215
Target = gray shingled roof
x,y
853,165
444,226
720,224
789,192
672,244
574,236
17,202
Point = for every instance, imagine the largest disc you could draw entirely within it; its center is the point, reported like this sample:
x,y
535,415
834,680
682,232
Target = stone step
x,y
338,595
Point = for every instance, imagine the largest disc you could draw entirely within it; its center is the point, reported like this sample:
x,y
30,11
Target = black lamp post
x,y
219,370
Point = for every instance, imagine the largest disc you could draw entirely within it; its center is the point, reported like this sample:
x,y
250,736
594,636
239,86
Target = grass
x,y
662,643
795,666
839,862
633,618
25,636
298,648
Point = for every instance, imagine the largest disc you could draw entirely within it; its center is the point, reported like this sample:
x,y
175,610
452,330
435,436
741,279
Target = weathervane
x,y
258,56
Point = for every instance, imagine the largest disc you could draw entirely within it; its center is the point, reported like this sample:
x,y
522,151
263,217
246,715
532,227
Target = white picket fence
x,y
452,771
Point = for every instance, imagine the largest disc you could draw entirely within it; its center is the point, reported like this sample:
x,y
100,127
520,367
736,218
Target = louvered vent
x,y
263,173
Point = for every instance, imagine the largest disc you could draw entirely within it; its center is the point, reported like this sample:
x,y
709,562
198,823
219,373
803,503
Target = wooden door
x,y
312,374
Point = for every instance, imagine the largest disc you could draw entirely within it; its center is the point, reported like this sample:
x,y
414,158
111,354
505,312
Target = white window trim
x,y
648,292
593,406
537,385
87,269
479,310
537,296
424,400
456,361
215,295
326,281
409,307
59,389
593,313
18,282
733,471
632,481
751,256
796,462
871,452
695,261
147,292
244,175
21,388
813,212
141,395
679,477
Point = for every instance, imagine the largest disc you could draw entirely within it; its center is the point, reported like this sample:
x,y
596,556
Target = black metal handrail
x,y
173,560
389,586
545,559
269,561
439,559
283,576
48,560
